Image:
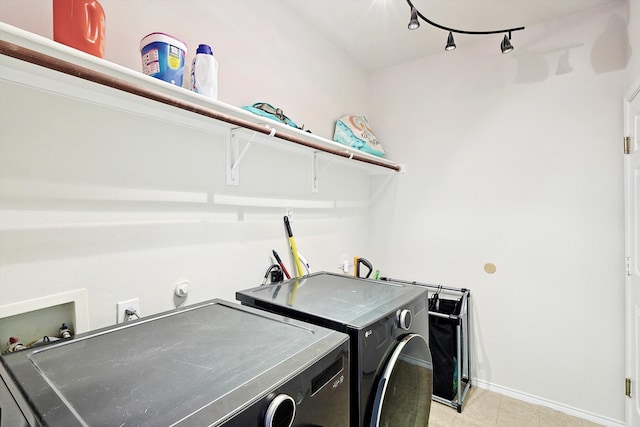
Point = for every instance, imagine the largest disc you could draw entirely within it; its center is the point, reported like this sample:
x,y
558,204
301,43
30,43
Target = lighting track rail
x,y
414,24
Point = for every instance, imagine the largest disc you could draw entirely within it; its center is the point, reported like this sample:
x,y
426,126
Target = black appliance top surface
x,y
346,300
162,370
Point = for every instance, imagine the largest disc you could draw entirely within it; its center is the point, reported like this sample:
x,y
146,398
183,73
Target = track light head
x,y
506,46
450,43
414,24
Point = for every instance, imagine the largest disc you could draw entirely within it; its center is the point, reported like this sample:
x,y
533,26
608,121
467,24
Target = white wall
x,y
512,164
632,77
263,56
73,177
507,163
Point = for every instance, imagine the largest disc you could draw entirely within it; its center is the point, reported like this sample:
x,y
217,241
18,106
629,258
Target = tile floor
x,y
483,408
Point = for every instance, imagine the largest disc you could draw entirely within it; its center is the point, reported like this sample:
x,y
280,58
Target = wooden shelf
x,y
32,60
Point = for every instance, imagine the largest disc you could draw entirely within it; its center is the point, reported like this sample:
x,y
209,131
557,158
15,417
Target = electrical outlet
x,y
132,305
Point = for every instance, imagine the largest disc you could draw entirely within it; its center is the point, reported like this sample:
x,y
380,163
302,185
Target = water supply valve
x,y
65,333
14,345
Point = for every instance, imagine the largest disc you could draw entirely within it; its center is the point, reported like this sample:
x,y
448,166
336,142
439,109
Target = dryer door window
x,y
403,396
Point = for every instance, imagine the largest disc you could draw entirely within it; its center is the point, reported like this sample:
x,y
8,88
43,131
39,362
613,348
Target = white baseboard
x,y
569,410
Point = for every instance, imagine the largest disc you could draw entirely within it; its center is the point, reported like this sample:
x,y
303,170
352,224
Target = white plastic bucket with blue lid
x,y
163,57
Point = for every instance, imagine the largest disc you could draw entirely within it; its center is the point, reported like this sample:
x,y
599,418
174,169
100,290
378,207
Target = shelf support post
x,y
232,156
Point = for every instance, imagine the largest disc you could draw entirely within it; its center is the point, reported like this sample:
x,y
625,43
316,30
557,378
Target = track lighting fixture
x,y
450,43
506,46
414,24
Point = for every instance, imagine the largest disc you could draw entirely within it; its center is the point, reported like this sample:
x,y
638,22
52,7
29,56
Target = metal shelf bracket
x,y
233,155
316,171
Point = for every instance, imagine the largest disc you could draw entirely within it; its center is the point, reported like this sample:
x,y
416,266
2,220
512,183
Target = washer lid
x,y
342,299
403,395
216,358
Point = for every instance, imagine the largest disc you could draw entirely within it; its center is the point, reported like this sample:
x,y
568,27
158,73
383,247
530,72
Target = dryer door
x,y
403,396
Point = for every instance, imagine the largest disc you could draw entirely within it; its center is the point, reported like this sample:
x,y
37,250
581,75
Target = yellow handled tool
x,y
294,249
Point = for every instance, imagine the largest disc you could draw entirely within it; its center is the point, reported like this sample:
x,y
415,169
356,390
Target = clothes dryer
x,y
211,364
388,326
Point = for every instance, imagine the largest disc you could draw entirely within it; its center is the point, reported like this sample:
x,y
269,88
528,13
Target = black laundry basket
x,y
443,339
448,341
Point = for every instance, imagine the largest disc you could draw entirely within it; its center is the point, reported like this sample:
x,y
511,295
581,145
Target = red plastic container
x,y
79,24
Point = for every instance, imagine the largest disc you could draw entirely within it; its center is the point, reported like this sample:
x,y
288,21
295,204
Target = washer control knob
x,y
404,319
280,412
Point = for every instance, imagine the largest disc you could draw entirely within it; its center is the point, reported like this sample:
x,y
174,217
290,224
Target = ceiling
x,y
374,32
